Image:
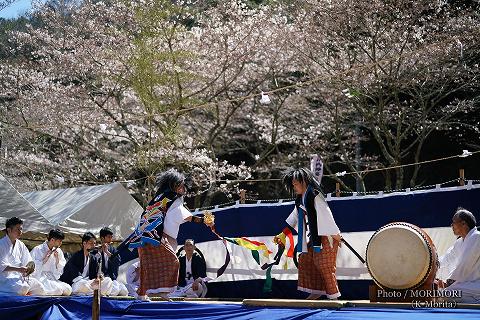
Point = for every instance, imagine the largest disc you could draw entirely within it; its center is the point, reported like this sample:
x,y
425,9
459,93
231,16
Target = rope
x,y
402,165
278,179
358,172
226,204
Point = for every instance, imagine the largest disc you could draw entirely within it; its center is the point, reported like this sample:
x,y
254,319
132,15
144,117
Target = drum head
x,y
398,257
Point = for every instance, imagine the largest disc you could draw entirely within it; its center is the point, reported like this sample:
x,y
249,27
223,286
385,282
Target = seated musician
x,y
460,266
81,271
192,273
14,260
49,263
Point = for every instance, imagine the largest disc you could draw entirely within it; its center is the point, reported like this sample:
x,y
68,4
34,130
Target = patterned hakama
x,y
158,268
316,271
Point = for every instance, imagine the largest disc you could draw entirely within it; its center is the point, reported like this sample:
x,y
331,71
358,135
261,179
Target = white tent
x,y
13,204
78,210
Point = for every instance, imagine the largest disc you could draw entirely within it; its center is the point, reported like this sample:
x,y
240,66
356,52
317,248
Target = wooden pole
x,y
97,293
96,302
337,189
242,195
462,177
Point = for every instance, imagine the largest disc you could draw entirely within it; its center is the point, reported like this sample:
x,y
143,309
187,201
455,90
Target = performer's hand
x,y
195,284
280,238
449,282
105,249
95,284
440,283
209,224
338,238
23,271
47,255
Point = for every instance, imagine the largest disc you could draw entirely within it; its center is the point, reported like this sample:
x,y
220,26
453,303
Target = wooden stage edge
x,y
291,303
337,304
314,304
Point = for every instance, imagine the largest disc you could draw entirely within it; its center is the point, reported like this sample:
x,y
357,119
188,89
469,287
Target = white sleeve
x,y
292,219
468,263
26,257
448,262
184,213
4,258
132,274
325,223
38,259
178,214
57,270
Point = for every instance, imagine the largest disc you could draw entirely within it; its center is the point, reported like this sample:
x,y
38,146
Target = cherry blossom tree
x,y
72,88
400,66
94,92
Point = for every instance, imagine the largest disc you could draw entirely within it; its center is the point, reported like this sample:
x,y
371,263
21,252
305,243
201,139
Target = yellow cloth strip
x,y
251,246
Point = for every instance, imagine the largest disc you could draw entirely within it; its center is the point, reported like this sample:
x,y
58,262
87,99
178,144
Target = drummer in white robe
x,y
460,266
49,262
14,257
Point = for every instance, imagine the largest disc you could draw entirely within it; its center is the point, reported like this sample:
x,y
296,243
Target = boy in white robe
x,y
111,262
14,257
460,266
49,262
318,235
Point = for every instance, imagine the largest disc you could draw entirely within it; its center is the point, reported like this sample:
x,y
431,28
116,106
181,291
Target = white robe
x,y
462,264
13,282
188,290
133,279
176,215
83,285
326,225
49,272
118,288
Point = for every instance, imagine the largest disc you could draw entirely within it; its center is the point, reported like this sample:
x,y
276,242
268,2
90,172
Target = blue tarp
x,y
20,308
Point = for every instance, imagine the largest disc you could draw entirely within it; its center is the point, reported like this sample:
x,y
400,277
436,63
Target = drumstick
x,y
353,250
